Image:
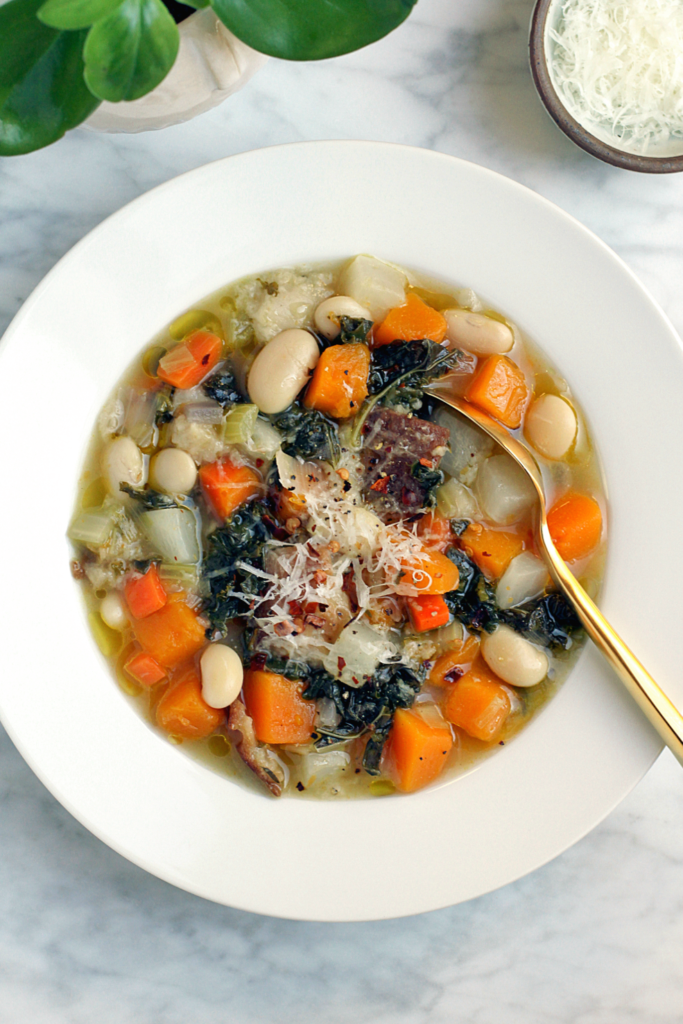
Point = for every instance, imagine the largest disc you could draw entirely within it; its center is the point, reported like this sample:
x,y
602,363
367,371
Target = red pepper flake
x,y
295,608
317,579
341,664
427,462
381,485
205,359
259,463
453,674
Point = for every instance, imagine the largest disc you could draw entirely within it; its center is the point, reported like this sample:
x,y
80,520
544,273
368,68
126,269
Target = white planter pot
x,y
211,64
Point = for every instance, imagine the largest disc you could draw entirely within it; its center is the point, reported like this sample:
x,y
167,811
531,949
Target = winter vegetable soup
x,y
304,569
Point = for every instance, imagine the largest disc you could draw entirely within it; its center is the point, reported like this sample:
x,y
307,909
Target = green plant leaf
x,y
42,92
130,51
311,29
73,14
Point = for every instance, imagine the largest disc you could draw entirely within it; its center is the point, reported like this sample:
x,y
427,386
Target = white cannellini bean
x,y
326,316
550,426
281,369
525,577
113,611
122,462
222,674
173,471
504,490
513,658
476,333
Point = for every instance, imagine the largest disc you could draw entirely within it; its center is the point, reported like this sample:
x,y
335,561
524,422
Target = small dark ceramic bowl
x,y
571,127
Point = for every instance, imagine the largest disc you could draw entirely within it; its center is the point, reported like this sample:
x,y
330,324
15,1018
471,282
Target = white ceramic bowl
x,y
81,327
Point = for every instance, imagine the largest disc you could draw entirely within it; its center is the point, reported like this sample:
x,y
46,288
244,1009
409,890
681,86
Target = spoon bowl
x,y
649,697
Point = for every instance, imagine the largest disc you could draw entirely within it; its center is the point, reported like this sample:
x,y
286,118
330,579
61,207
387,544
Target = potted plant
x,y
61,59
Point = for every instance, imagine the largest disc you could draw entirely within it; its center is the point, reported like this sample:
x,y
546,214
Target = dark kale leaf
x,y
287,667
241,539
549,620
164,410
353,330
429,479
366,708
473,601
222,388
458,526
410,365
148,498
308,434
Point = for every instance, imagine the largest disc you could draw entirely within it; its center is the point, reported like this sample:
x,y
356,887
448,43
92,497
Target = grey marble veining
x,y
596,936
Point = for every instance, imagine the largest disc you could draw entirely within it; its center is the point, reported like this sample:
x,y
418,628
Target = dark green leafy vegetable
x,y
366,708
42,92
549,620
429,479
232,589
164,410
353,330
295,30
307,434
130,51
473,602
222,388
148,498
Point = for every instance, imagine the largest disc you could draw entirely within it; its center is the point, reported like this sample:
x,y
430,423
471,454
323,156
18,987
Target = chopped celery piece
x,y
195,320
238,425
240,333
108,640
94,494
173,532
176,573
138,423
92,528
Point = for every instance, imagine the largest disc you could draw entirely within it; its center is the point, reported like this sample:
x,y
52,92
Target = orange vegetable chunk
x,y
417,749
478,703
454,662
226,486
279,712
145,594
575,524
185,365
492,550
431,573
412,321
145,669
434,530
339,384
429,611
500,389
182,711
171,635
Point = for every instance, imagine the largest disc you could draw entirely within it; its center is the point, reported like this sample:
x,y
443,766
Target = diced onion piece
x,y
504,491
139,417
525,577
239,424
92,528
265,439
455,501
376,285
316,766
173,533
469,446
357,653
205,411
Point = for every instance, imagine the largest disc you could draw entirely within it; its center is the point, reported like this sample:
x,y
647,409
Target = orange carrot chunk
x,y
412,321
500,389
431,573
434,530
171,635
478,703
188,363
279,712
575,524
428,611
339,384
145,594
453,663
145,669
417,749
492,550
182,711
227,486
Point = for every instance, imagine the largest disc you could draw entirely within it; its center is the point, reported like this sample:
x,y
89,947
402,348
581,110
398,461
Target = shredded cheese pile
x,y
618,68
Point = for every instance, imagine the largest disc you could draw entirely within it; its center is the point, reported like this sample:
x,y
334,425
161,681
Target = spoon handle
x,y
651,700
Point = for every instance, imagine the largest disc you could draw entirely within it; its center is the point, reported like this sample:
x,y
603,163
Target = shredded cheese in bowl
x,y
618,68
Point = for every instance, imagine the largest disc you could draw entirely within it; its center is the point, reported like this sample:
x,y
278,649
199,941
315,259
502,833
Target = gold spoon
x,y
651,700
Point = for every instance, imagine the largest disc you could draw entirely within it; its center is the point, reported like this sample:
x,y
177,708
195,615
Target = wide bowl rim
x,y
572,128
643,745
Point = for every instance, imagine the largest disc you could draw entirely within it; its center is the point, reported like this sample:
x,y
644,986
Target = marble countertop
x,y
596,936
